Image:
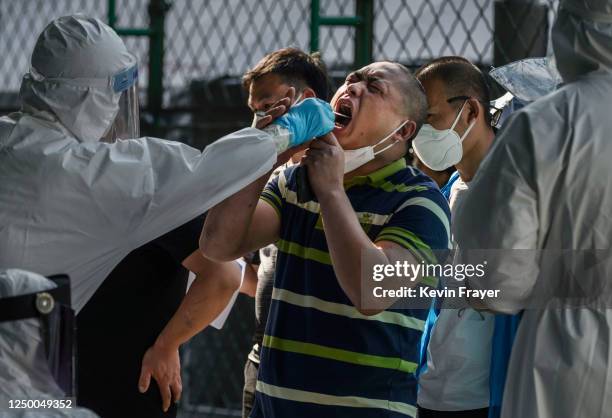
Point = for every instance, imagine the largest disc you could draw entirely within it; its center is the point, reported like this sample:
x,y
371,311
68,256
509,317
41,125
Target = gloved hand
x,y
306,120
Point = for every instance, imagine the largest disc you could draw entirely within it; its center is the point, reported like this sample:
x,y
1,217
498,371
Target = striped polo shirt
x,y
320,356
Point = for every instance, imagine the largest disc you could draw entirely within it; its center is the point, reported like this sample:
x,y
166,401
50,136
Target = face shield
x,y
127,122
122,86
52,308
525,81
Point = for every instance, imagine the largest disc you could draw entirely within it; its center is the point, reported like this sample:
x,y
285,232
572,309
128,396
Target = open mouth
x,y
344,114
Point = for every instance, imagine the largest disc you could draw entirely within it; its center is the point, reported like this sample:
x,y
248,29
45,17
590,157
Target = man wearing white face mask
x,y
324,353
458,133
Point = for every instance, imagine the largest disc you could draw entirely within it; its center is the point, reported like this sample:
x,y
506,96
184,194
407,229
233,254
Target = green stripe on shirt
x,y
408,240
306,253
432,207
272,196
270,202
316,350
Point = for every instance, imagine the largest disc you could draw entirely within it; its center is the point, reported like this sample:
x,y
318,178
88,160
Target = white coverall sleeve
x,y
146,187
497,222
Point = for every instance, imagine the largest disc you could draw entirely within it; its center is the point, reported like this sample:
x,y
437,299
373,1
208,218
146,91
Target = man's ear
x,y
473,110
308,92
406,132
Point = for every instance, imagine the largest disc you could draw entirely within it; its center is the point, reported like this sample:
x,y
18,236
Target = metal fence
x,y
193,52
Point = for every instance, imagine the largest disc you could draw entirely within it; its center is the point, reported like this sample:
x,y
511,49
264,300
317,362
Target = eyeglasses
x,y
495,115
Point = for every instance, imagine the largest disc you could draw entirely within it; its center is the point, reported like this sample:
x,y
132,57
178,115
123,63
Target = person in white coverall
x,y
545,186
78,193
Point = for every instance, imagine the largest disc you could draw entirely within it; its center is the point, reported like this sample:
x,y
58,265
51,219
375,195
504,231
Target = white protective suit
x,y
545,185
72,204
24,373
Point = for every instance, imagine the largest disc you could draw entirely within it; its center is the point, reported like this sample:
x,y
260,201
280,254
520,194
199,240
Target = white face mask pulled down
x,y
355,158
440,149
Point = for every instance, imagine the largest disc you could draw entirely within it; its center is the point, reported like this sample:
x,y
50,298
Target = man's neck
x,y
470,162
368,168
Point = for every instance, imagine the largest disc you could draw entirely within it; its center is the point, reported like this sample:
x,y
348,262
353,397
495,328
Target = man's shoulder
x,y
416,184
288,171
284,177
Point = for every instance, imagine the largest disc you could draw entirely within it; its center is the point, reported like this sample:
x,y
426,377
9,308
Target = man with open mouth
x,y
324,353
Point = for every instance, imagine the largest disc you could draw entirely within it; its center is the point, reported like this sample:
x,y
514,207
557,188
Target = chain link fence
x,y
209,44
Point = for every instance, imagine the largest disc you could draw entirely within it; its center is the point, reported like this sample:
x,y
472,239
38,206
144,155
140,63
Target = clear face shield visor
x,y
127,122
58,324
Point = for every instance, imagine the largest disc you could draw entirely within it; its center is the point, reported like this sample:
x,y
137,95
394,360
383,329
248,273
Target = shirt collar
x,y
377,176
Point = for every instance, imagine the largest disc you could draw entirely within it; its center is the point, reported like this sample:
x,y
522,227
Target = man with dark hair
x,y
325,353
460,76
458,133
282,73
288,67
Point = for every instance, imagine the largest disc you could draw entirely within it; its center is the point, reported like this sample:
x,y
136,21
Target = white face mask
x,y
355,158
440,149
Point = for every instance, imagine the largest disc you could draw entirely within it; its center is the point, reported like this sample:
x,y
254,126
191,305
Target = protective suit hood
x,y
582,38
72,64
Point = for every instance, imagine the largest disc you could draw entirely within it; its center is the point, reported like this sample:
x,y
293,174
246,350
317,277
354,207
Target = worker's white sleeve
x,y
148,186
102,201
497,222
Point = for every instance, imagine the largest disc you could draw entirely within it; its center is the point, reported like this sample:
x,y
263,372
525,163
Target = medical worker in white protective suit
x,y
73,199
24,371
545,185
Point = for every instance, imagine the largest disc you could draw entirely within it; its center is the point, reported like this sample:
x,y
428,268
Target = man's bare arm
x,y
210,292
240,224
347,240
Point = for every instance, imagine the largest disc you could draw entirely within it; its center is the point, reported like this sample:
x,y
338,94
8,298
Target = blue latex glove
x,y
306,120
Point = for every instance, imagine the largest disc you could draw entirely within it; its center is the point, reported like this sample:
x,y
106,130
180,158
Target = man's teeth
x,y
341,119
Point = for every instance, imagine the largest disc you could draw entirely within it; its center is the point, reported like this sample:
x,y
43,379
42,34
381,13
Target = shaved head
x,y
412,93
